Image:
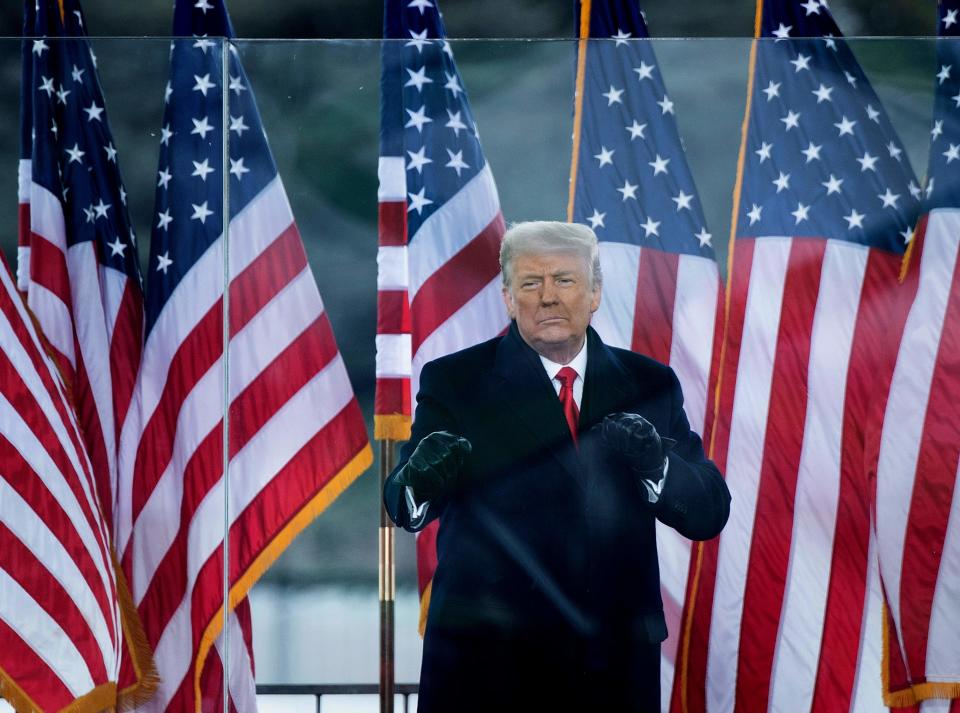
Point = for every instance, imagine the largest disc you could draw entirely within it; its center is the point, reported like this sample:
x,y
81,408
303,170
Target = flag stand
x,y
387,586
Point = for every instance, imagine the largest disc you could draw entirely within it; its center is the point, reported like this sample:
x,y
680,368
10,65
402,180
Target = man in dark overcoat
x,y
548,457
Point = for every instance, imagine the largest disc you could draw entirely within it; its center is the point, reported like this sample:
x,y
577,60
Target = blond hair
x,y
548,236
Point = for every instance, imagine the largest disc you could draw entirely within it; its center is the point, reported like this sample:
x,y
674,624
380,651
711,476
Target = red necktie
x,y
566,376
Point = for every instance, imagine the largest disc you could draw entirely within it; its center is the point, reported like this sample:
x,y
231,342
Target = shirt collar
x,y
578,363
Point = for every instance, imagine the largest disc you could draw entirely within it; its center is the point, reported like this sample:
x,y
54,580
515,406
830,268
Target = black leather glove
x,y
434,464
636,441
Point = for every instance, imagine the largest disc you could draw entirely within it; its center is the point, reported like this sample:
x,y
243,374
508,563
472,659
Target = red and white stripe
x,y
787,605
665,305
437,292
24,178
454,269
91,316
296,437
394,353
59,611
241,684
917,501
448,274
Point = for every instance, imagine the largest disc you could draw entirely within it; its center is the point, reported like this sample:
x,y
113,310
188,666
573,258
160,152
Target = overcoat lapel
x,y
607,387
531,400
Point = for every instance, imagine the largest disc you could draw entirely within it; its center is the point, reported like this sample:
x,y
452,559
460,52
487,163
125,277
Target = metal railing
x,y
319,690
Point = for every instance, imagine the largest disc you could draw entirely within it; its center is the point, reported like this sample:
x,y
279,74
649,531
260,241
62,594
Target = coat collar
x,y
608,386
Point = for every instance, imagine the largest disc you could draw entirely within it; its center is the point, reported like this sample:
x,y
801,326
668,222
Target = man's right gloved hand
x,y
434,464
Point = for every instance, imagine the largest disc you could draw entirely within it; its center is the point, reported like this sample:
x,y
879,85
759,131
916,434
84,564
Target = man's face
x,y
551,299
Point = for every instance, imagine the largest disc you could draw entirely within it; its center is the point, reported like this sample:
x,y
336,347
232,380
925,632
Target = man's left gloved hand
x,y
637,442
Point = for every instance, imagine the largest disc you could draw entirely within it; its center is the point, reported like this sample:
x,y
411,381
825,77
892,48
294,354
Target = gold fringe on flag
x,y
391,427
917,692
424,608
101,698
137,646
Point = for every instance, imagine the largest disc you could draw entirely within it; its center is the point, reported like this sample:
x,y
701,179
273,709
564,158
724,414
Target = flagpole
x,y
387,586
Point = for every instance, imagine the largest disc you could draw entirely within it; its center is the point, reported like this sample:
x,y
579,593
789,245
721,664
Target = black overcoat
x,y
546,594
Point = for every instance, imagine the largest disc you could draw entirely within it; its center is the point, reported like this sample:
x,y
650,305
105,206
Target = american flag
x,y
78,263
295,437
917,501
59,602
631,184
77,257
438,277
786,608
